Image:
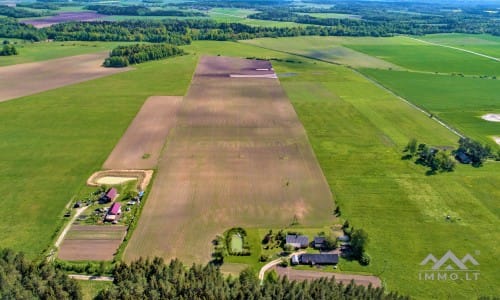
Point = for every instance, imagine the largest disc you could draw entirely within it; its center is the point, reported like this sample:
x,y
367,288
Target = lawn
x,y
459,101
236,243
53,141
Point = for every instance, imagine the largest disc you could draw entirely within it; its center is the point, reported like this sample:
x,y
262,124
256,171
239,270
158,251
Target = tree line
x,y
22,279
123,56
140,10
14,12
386,24
153,279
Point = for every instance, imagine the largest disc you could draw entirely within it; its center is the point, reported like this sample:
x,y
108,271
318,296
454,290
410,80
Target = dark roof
x,y
111,193
297,239
319,259
463,158
319,240
115,207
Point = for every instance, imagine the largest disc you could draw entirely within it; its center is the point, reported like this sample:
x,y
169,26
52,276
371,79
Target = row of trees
x,y
139,10
22,279
122,56
153,279
382,25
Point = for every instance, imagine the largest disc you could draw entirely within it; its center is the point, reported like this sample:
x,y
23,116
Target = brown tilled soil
x,y
344,278
141,145
31,78
238,157
91,242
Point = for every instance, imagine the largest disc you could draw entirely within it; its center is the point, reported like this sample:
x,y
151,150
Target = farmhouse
x,y
297,241
319,259
113,212
109,196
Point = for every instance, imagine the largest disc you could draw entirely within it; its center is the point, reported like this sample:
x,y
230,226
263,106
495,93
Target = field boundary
x,y
432,116
455,48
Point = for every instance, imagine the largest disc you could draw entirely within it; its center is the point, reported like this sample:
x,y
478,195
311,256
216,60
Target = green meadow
x,y
54,140
459,101
430,58
481,43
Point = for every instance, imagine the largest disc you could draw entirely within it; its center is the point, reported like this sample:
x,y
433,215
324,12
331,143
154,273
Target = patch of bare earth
x,y
491,117
300,275
91,242
31,78
141,145
238,157
143,177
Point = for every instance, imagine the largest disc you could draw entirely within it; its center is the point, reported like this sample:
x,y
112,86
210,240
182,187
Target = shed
x,y
110,195
463,158
319,259
295,259
297,241
319,242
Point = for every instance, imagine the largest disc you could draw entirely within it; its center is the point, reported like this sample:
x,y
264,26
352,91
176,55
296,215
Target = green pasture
x,y
53,141
357,131
31,52
459,101
481,43
431,58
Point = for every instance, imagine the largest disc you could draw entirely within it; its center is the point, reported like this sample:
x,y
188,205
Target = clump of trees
x,y
153,279
431,157
23,279
476,152
8,49
359,241
123,56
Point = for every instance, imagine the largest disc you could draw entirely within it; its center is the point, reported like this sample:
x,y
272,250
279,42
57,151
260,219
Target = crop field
x,y
91,242
211,177
63,17
329,49
460,101
53,141
31,78
141,145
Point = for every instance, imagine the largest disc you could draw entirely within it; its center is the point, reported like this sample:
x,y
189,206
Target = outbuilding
x,y
319,259
109,196
297,241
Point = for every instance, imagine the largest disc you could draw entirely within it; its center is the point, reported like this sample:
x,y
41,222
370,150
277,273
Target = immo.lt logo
x,y
449,267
